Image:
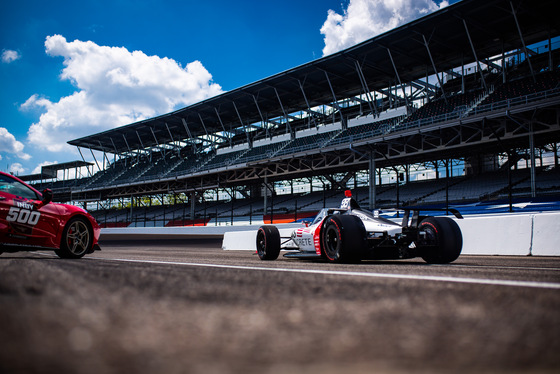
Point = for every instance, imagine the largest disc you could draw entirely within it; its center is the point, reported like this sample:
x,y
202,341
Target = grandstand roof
x,y
447,37
66,165
50,171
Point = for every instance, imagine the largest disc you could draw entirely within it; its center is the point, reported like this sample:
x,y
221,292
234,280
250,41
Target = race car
x,y
350,234
30,221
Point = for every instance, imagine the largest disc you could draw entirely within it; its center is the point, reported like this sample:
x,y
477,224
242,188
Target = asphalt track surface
x,y
190,307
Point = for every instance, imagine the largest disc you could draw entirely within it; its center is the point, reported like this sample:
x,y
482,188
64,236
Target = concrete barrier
x,y
177,232
497,235
246,240
153,233
546,234
514,235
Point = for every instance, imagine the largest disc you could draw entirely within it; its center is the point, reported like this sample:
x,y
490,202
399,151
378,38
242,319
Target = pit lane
x,y
188,306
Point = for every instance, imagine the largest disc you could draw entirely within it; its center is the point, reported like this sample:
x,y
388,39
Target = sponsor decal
x,y
21,217
302,238
304,242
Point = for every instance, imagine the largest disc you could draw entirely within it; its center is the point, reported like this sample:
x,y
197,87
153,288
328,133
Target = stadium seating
x,y
523,87
484,187
454,105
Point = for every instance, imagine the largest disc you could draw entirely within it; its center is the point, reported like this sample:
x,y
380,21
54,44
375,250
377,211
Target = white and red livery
x,y
351,234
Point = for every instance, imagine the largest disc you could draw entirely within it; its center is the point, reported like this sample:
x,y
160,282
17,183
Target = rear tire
x,y
343,239
268,243
443,241
77,239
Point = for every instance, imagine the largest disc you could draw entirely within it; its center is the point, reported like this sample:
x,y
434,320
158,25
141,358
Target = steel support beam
x,y
475,56
242,124
157,142
203,125
172,139
222,124
398,77
97,163
258,108
306,101
372,189
533,163
335,102
126,142
187,128
434,67
189,133
288,127
522,41
114,147
365,87
104,156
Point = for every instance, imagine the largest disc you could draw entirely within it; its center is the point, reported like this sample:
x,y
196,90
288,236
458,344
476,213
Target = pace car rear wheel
x,y
343,239
77,239
268,243
441,241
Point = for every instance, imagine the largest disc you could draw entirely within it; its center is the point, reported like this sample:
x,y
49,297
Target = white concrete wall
x,y
246,240
515,235
497,235
546,234
186,232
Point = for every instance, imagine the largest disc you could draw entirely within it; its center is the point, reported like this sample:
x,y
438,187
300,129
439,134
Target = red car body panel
x,y
25,221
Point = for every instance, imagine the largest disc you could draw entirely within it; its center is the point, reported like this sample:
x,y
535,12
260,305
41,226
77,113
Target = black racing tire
x,y
268,243
443,240
77,239
343,239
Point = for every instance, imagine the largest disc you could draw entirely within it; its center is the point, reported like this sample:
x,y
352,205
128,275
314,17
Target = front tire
x,y
343,239
443,240
268,243
77,239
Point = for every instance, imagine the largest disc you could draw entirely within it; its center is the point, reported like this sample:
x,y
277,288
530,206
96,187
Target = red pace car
x,y
30,221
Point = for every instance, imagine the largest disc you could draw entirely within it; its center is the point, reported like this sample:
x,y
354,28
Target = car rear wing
x,y
413,221
416,214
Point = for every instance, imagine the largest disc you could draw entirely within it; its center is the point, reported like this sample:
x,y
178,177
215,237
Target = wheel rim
x,y
431,234
332,239
77,238
261,243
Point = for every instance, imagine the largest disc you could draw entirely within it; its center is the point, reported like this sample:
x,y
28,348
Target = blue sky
x,y
71,69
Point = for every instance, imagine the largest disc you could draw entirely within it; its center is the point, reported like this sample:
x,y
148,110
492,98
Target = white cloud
x,y
10,56
9,144
115,87
16,168
365,19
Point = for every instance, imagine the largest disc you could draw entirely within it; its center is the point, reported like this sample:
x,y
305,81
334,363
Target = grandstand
x,y
460,106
